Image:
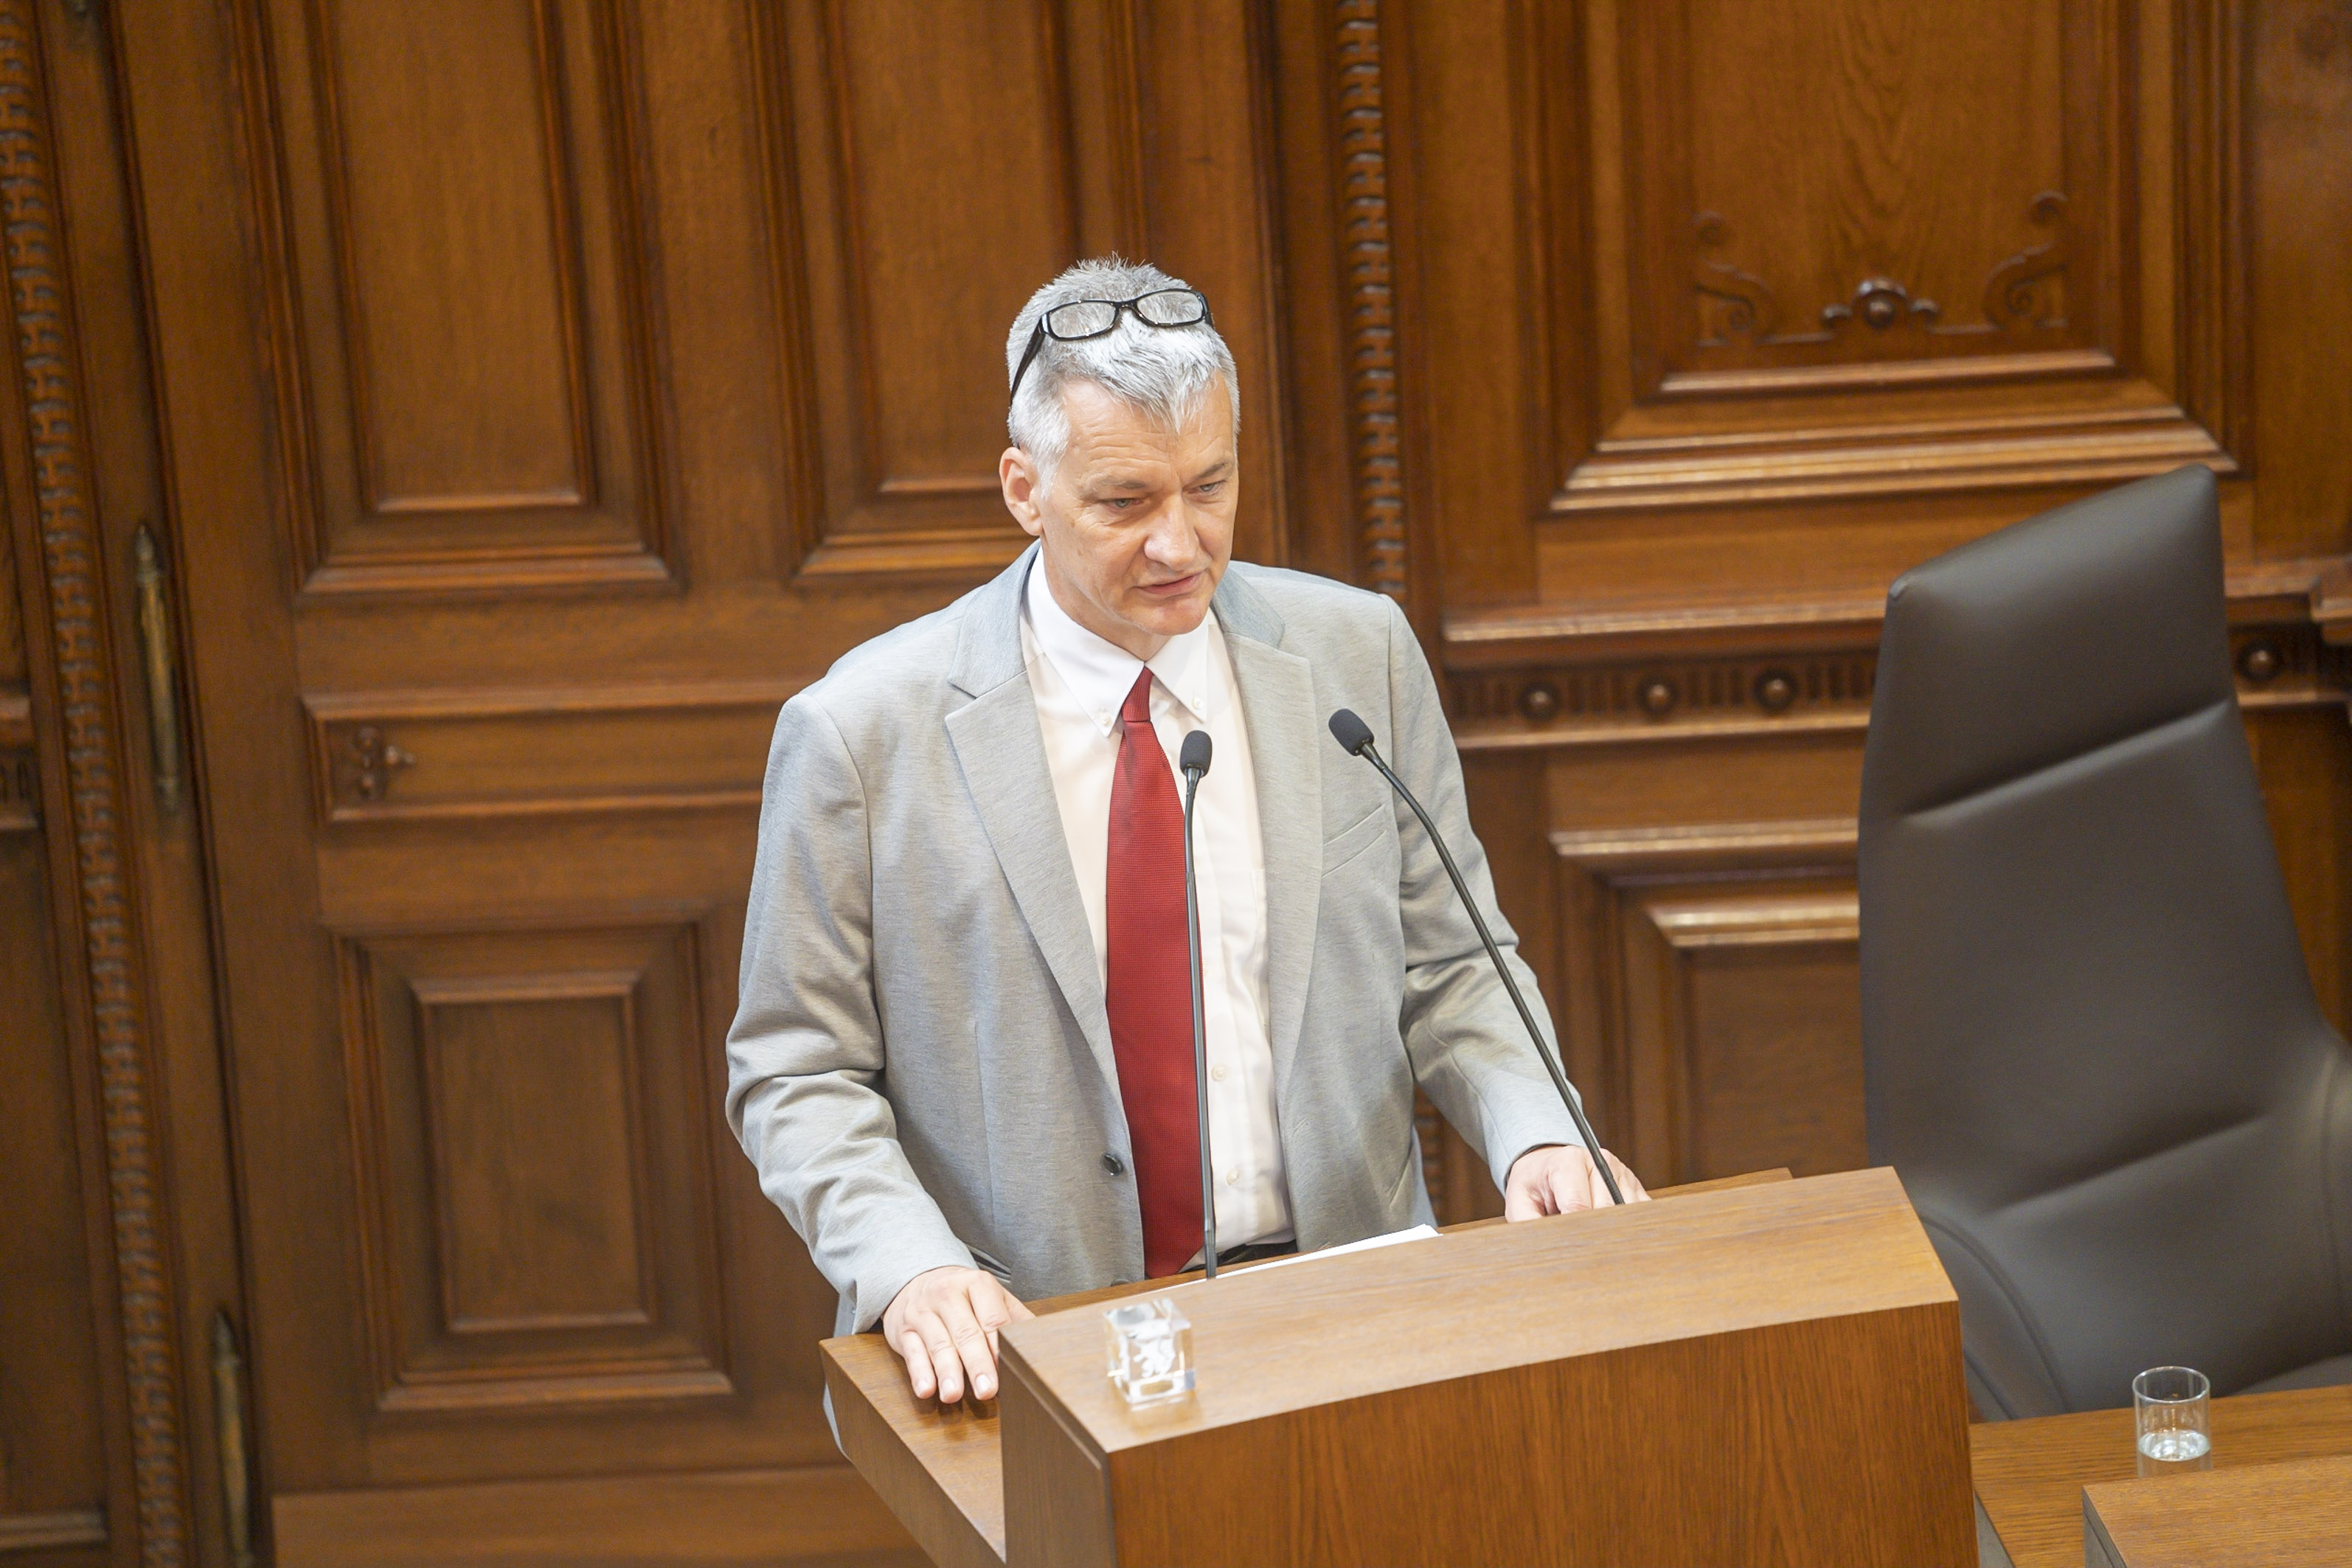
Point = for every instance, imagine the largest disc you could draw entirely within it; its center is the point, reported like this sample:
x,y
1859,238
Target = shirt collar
x,y
1099,673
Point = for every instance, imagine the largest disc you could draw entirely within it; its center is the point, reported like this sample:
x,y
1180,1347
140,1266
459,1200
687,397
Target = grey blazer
x,y
921,1065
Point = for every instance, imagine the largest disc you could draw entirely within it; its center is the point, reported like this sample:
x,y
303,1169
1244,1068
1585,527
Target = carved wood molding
x,y
2015,294
1370,278
1678,698
71,559
1556,702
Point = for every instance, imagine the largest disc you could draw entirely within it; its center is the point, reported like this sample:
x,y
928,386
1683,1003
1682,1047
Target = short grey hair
x,y
1162,371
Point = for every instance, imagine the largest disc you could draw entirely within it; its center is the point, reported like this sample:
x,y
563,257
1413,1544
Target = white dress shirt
x,y
1080,681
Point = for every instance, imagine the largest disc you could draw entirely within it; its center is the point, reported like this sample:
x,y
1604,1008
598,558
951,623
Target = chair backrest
x,y
2093,1052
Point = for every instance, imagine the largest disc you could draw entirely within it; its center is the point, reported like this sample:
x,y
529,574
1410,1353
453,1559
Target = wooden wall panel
x,y
1771,302
12,627
53,1414
904,268
1743,1027
1714,967
928,337
542,390
472,383
530,1120
1845,298
1929,177
2295,86
922,260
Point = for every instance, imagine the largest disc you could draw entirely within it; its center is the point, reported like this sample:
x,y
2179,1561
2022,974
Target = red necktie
x,y
1150,995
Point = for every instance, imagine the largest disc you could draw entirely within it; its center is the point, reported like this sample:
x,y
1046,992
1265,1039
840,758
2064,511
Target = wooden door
x,y
550,389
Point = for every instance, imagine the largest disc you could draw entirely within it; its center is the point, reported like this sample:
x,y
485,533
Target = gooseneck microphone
x,y
1193,760
1355,738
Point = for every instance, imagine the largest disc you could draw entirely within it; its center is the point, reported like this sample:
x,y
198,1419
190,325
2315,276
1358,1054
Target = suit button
x,y
1112,1163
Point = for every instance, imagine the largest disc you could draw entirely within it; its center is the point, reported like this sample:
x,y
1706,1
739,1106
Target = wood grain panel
x,y
468,353
1743,1023
12,620
531,1106
907,266
489,753
1720,969
2263,1516
2030,1475
1391,1440
1646,375
1868,244
755,1517
483,410
1879,224
540,1222
2295,77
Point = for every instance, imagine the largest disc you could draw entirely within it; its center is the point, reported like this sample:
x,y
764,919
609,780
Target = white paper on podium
x,y
1418,1232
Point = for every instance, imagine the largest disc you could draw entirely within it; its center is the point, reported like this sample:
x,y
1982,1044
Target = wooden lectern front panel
x,y
1769,1376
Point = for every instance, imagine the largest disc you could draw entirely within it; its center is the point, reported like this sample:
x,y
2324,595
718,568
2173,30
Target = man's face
x,y
1138,523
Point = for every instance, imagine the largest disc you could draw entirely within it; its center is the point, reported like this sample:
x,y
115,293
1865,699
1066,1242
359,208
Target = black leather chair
x,y
2093,1052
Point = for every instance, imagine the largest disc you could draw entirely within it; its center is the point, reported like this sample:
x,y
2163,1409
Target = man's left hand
x,y
1559,1178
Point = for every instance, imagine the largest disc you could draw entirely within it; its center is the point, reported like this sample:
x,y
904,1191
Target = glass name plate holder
x,y
1149,1346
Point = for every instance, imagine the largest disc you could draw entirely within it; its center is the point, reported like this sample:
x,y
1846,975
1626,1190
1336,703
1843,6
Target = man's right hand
x,y
943,1325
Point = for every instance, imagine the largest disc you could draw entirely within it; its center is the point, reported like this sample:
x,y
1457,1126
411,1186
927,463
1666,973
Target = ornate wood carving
x,y
72,557
1744,301
1573,704
2012,298
1772,283
1560,702
2016,292
1381,562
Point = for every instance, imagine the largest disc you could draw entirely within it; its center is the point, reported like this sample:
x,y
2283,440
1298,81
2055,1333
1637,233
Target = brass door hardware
x,y
155,646
228,1416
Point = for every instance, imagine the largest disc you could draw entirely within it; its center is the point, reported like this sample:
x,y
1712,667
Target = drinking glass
x,y
2169,1406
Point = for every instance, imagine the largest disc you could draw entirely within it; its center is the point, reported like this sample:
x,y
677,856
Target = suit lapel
x,y
1277,693
1003,754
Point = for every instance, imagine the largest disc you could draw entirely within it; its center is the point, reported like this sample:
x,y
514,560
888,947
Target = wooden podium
x,y
1766,1373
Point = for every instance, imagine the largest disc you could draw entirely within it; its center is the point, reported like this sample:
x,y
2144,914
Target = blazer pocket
x,y
1355,839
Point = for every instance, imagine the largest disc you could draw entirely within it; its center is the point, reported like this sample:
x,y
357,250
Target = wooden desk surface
x,y
2253,1516
2030,1475
941,1469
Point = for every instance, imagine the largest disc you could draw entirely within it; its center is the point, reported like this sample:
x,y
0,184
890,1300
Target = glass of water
x,y
2171,1404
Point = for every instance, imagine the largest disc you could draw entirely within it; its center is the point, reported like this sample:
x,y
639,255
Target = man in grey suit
x,y
963,1059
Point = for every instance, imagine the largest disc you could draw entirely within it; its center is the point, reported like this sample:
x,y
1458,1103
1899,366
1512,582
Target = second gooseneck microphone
x,y
1193,761
1355,737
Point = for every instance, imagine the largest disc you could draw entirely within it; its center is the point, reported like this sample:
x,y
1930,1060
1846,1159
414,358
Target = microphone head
x,y
1352,734
1194,758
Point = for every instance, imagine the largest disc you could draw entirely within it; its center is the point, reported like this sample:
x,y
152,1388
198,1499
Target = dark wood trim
x,y
97,903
